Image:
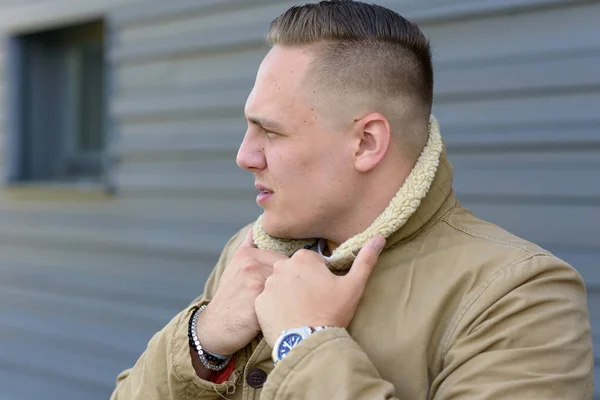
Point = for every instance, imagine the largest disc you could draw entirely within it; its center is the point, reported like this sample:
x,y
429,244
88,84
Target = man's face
x,y
302,164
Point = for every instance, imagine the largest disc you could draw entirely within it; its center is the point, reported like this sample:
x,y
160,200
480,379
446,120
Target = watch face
x,y
288,343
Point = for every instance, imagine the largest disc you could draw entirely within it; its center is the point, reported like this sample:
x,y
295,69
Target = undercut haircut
x,y
365,50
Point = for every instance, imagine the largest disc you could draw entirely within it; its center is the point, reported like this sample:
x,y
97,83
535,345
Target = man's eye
x,y
269,133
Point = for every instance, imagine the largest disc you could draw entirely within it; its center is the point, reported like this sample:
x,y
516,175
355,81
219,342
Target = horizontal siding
x,y
93,314
566,108
99,278
167,139
35,15
3,112
181,105
136,42
526,35
537,136
253,15
180,118
125,234
563,177
519,77
420,10
2,158
13,3
228,68
208,174
95,305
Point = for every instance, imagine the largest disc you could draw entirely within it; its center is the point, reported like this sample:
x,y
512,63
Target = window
x,y
60,108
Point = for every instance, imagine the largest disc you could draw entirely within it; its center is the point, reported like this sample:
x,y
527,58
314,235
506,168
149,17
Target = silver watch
x,y
291,338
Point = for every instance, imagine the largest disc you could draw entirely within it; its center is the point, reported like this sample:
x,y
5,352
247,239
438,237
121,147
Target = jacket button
x,y
256,378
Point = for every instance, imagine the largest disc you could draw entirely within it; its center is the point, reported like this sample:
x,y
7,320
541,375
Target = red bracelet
x,y
223,375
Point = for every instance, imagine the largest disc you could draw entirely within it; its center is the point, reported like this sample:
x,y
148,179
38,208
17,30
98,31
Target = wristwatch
x,y
291,338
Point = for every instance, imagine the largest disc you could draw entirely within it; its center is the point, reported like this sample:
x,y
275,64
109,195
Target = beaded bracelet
x,y
211,361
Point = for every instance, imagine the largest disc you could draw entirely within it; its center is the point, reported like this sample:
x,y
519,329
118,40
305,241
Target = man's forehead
x,y
286,59
264,104
275,105
279,94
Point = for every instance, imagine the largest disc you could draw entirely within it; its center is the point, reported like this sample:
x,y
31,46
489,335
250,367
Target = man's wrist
x,y
211,361
206,331
290,338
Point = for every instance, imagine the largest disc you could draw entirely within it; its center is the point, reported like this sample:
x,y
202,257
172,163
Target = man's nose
x,y
251,155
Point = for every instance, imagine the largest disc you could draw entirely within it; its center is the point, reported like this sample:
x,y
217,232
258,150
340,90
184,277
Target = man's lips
x,y
264,194
263,188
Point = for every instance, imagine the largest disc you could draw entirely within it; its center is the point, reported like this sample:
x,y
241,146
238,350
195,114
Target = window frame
x,y
17,148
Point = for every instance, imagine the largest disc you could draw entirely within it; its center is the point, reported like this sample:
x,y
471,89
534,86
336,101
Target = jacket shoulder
x,y
490,234
507,266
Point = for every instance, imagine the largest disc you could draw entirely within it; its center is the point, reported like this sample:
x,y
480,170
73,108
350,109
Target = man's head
x,y
337,117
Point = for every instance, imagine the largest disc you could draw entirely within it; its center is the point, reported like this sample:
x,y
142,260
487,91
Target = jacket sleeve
x,y
524,335
164,370
327,365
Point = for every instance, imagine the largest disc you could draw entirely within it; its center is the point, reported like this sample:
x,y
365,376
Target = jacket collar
x,y
427,192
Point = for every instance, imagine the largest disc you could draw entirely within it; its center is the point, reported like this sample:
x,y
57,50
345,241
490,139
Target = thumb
x,y
365,261
248,240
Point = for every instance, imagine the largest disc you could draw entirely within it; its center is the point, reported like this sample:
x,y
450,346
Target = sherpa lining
x,y
401,207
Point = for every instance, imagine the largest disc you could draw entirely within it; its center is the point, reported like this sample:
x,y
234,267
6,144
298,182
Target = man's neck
x,y
377,197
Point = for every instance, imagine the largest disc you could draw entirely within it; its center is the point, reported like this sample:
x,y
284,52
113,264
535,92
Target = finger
x,y
268,257
363,265
308,257
248,240
265,270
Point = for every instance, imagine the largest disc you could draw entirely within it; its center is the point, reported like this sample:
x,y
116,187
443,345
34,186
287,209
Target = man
x,y
365,278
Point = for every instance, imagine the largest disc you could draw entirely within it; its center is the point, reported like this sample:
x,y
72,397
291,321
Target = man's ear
x,y
373,134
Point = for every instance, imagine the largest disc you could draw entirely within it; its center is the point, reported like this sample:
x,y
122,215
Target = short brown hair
x,y
362,48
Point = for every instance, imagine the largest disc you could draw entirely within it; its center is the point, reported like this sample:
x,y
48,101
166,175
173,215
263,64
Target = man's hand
x,y
229,321
302,291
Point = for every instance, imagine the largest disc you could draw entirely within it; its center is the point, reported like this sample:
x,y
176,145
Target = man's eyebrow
x,y
266,123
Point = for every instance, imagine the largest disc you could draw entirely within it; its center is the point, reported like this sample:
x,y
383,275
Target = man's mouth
x,y
264,194
263,189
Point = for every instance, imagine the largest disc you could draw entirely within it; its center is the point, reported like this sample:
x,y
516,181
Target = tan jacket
x,y
456,308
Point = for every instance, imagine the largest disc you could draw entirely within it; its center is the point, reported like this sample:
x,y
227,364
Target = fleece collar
x,y
401,208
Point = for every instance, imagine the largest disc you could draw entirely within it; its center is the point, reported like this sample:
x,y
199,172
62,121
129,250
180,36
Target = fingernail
x,y
378,243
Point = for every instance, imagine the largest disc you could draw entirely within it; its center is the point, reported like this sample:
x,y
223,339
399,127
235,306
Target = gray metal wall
x,y
93,277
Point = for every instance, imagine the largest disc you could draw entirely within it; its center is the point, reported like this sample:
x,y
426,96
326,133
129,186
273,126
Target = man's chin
x,y
277,228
